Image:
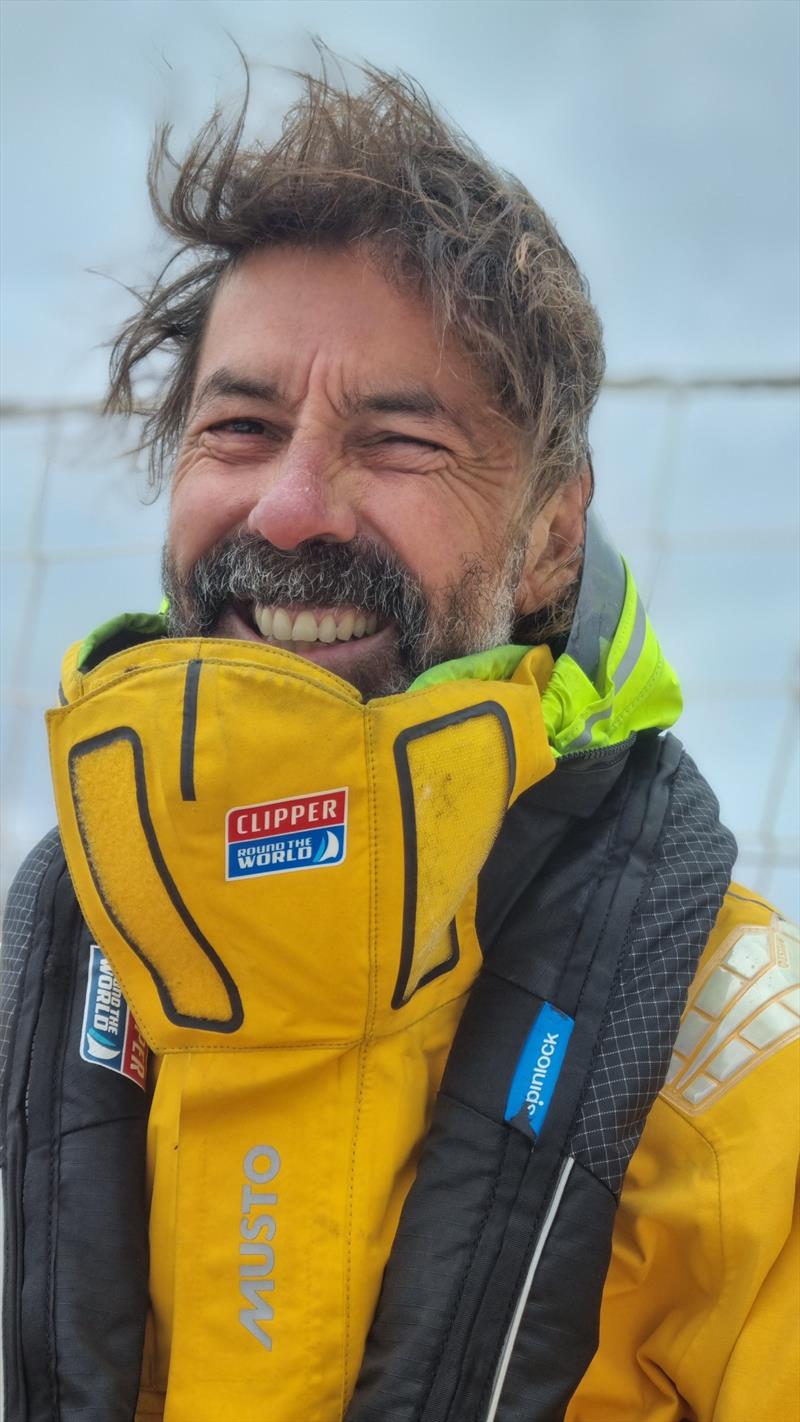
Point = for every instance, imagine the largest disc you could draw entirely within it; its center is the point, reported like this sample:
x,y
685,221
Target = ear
x,y
552,560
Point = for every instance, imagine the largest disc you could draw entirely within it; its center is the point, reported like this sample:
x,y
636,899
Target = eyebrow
x,y
227,383
405,400
409,400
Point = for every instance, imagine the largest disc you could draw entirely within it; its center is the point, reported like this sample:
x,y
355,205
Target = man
x,y
383,794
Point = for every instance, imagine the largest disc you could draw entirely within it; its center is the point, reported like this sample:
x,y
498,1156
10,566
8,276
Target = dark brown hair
x,y
382,168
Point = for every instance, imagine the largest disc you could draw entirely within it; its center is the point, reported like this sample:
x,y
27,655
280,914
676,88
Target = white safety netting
x,y
692,480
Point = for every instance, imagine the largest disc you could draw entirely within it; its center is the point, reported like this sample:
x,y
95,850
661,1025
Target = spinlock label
x,y
540,1062
306,832
109,1035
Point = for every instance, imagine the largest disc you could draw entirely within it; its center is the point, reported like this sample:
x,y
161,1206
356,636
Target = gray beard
x,y
476,612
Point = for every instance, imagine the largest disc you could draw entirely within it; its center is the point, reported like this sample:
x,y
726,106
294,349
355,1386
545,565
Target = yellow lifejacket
x,y
284,881
300,1018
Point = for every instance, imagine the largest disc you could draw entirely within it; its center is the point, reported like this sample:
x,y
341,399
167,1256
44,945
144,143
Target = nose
x,y
304,498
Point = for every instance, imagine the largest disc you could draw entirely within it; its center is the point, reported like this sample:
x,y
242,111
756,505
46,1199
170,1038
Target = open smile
x,y
333,636
288,625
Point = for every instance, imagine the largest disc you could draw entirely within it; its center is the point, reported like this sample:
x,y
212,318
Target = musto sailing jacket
x,y
333,1026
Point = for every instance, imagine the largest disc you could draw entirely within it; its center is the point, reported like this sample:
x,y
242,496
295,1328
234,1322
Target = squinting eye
x,y
410,440
240,427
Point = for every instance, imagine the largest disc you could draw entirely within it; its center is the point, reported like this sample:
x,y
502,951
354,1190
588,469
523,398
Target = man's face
x,y
343,487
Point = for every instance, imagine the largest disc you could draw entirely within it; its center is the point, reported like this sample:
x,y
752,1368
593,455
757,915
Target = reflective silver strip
x,y
627,664
586,734
600,599
513,1330
634,648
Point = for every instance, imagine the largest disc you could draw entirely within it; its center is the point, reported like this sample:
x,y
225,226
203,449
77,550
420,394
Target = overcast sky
x,y
661,135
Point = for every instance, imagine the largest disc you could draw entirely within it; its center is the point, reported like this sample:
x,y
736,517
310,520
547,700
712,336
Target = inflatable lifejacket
x,y
288,896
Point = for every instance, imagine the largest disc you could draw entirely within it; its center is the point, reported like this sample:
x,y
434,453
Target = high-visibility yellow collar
x,y
612,678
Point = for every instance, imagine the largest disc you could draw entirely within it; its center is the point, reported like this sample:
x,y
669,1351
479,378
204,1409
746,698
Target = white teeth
x,y
327,628
263,620
279,625
282,625
305,627
344,631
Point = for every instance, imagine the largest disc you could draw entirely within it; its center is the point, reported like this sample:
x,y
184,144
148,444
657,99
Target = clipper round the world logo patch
x,y
110,1036
306,832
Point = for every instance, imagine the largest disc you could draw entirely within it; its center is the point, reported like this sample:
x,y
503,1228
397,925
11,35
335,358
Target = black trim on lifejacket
x,y
409,819
189,728
211,1024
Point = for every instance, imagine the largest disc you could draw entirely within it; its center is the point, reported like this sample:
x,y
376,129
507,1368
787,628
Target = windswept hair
x,y
381,168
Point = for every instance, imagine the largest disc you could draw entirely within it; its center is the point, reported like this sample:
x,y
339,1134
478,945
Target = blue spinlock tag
x,y
537,1071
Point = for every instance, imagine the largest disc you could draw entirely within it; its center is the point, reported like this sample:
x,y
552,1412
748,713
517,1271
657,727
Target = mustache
x,y
247,569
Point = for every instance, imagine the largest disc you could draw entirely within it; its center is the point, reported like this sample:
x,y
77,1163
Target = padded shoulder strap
x,y
75,1283
491,1296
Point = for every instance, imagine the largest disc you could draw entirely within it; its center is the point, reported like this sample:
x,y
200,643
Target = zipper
x,y
596,752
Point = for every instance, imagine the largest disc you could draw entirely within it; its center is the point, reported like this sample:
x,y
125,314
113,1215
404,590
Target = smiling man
x,y
346,487
386,931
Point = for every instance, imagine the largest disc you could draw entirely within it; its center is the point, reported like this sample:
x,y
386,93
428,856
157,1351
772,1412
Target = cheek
x,y
432,528
406,517
202,512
